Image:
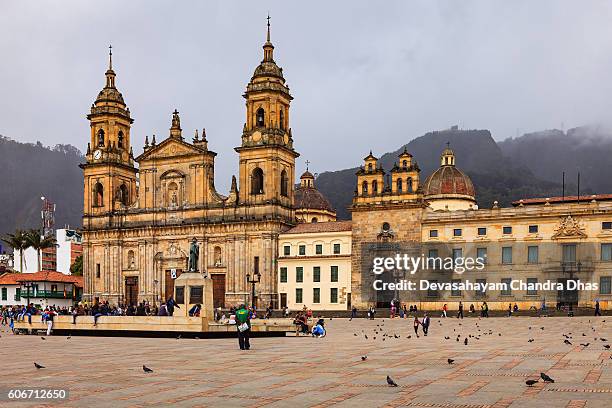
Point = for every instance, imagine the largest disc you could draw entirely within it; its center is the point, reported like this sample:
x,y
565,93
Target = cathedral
x,y
141,212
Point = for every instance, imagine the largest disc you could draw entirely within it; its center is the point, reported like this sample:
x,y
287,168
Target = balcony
x,y
44,294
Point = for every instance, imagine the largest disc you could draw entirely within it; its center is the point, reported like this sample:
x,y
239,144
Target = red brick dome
x,y
449,180
310,198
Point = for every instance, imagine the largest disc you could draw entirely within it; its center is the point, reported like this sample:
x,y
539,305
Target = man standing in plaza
x,y
460,312
243,324
425,324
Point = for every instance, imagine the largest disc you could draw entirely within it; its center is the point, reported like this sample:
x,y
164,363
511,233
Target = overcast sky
x,y
364,75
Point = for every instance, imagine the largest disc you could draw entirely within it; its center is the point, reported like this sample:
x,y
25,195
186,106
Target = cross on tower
x,y
307,163
268,19
448,145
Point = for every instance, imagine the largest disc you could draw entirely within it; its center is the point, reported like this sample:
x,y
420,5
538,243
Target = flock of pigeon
x,y
380,333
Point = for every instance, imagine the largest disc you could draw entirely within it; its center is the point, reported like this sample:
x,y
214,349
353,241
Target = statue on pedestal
x,y
194,254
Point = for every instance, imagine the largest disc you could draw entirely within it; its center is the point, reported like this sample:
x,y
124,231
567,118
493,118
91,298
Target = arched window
x,y
100,138
284,183
369,166
257,181
409,184
98,195
173,194
123,195
120,140
314,220
405,163
217,256
399,185
364,188
260,117
281,117
374,187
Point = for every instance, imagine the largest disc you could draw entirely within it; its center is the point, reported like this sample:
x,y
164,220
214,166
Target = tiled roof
x,y
8,279
449,180
48,276
332,226
567,199
310,198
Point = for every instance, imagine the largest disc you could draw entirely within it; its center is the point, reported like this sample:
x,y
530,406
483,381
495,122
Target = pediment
x,y
169,148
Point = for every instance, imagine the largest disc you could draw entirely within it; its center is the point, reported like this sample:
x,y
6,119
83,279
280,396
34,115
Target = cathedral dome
x,y
448,187
310,204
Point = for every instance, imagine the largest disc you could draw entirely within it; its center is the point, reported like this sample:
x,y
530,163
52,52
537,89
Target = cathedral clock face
x,y
97,154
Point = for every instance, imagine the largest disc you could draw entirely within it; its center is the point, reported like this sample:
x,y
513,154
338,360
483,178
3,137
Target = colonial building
x,y
315,266
141,212
535,240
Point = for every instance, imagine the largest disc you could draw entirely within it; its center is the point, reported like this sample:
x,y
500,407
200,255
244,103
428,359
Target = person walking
x,y
597,309
353,313
50,315
444,310
243,326
416,324
425,324
460,312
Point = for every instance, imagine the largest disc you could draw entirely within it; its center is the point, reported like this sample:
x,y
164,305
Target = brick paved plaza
x,y
488,372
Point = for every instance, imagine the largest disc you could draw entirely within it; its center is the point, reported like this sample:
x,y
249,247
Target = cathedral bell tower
x,y
110,175
267,157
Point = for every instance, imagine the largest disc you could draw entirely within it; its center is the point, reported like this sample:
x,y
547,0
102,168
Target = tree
x,y
39,243
77,267
19,241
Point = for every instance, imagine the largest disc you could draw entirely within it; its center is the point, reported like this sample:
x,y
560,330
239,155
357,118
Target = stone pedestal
x,y
191,288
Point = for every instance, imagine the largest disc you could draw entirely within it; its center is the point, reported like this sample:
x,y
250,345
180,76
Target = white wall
x,y
30,264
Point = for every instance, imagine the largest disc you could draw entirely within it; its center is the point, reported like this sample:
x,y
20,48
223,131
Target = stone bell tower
x,y
109,172
267,157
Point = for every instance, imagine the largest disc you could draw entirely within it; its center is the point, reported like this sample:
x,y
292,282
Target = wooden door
x,y
169,283
218,289
283,300
131,290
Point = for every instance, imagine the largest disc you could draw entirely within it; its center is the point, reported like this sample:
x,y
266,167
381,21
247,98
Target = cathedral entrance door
x,y
169,282
218,289
131,290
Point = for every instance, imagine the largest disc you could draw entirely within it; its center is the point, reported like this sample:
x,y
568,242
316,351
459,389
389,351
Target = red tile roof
x,y
332,226
9,279
567,199
48,276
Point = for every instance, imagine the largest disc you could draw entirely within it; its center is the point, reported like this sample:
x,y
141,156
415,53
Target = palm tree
x,y
19,241
38,242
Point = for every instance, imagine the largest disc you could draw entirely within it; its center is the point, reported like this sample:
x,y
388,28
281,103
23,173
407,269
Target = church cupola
x,y
448,156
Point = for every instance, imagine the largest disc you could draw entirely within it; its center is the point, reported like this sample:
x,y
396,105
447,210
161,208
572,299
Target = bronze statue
x,y
194,254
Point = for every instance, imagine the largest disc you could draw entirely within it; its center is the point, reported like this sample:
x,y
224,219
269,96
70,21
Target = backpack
x,y
242,315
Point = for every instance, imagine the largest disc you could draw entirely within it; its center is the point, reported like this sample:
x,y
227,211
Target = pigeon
x,y
499,334
546,378
364,358
38,366
566,341
466,341
446,338
354,334
68,338
391,382
542,328
146,369
607,346
530,341
450,361
366,336
42,338
602,339
178,337
531,382
585,344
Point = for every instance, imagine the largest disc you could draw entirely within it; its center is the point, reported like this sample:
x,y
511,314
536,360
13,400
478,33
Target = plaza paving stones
x,y
489,372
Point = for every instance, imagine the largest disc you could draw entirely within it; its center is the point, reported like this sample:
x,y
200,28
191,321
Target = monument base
x,y
192,288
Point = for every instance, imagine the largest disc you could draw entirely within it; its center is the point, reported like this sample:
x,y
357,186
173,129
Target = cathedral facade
x,y
141,212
